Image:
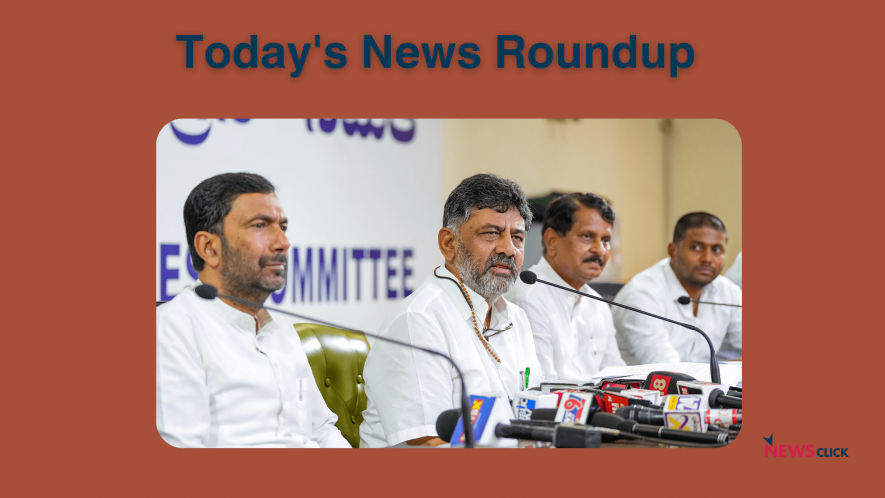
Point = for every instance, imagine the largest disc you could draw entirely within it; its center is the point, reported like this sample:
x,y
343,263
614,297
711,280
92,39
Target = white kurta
x,y
574,336
219,384
408,389
643,339
736,271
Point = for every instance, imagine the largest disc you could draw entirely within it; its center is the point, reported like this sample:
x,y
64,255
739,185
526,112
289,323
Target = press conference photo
x,y
449,283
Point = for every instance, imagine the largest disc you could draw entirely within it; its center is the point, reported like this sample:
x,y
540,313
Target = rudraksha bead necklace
x,y
475,323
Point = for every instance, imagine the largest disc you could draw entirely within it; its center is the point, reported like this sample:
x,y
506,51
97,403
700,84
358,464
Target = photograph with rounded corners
x,y
449,283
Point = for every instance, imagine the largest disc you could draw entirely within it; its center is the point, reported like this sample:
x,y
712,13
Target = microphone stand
x,y
687,300
210,292
530,278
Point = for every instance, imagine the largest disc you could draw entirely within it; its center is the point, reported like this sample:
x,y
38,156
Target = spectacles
x,y
496,331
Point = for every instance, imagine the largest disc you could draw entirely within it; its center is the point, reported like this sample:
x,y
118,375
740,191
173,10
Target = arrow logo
x,y
769,439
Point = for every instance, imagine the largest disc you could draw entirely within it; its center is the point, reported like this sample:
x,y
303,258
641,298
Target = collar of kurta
x,y
550,275
235,317
480,306
675,286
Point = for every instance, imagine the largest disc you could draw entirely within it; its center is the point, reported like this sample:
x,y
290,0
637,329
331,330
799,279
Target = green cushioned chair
x,y
337,357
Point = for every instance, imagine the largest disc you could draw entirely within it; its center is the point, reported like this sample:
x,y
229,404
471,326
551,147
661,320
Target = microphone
x,y
562,436
713,392
486,413
209,292
647,397
723,418
612,421
655,416
545,414
612,430
665,382
530,278
642,414
532,432
446,422
720,400
688,300
526,402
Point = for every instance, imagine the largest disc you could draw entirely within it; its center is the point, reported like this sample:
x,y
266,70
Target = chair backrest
x,y
336,358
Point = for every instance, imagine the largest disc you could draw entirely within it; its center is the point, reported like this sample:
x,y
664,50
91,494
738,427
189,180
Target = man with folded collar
x,y
574,335
459,311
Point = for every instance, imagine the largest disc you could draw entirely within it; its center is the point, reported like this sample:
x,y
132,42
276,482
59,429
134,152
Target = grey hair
x,y
484,191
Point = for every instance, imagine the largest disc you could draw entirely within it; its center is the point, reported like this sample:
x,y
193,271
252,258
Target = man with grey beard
x,y
459,311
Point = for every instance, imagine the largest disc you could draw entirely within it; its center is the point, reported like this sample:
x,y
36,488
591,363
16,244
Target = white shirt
x,y
574,336
408,389
643,339
219,384
734,273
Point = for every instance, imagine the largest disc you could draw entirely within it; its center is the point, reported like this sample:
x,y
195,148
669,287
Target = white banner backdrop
x,y
362,197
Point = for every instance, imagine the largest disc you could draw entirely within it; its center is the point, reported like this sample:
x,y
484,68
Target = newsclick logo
x,y
800,450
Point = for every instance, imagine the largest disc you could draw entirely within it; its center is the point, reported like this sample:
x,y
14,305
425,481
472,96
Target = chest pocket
x,y
296,406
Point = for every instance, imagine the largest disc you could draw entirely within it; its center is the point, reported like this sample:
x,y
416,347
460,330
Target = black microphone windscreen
x,y
528,277
684,300
446,422
606,420
543,414
641,414
206,291
626,426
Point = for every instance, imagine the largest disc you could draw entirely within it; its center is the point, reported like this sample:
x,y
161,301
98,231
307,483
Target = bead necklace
x,y
475,323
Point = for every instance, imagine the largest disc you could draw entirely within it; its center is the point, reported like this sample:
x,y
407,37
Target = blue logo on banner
x,y
197,139
350,126
363,128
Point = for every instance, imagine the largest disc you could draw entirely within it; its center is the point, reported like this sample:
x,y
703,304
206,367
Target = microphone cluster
x,y
667,408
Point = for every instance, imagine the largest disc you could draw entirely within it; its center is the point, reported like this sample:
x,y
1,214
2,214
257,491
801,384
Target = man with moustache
x,y
459,311
229,374
696,256
574,336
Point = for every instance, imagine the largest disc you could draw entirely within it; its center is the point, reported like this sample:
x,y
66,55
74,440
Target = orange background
x,y
88,87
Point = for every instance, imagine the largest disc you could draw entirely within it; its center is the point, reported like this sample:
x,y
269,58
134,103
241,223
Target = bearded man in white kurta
x,y
229,374
458,311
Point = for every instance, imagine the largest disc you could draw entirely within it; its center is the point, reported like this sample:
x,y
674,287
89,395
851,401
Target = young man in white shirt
x,y
229,375
692,270
458,311
574,336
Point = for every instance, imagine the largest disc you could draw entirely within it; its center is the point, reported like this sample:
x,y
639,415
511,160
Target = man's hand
x,y
426,441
